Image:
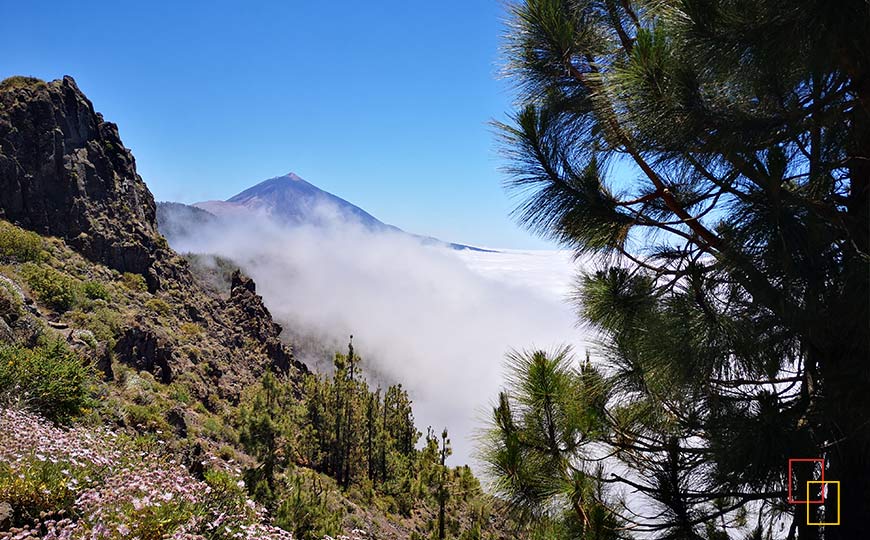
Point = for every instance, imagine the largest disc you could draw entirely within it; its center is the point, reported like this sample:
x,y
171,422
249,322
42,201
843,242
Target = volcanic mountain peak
x,y
292,200
276,186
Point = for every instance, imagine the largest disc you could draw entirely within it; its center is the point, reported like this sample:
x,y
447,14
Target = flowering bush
x,y
91,484
43,468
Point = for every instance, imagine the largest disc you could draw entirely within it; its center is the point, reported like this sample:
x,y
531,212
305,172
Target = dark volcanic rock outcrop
x,y
65,172
249,314
146,349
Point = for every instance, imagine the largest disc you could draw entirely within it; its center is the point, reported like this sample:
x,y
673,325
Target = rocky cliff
x,y
65,172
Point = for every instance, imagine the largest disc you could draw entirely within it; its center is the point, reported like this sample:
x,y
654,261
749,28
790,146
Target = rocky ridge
x,y
65,173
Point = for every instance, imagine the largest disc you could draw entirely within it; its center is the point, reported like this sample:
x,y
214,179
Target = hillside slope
x,y
64,172
103,326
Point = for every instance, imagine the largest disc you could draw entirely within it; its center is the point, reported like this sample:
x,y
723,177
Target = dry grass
x,y
19,81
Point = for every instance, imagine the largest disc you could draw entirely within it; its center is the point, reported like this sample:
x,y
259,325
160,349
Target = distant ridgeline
x,y
104,327
287,200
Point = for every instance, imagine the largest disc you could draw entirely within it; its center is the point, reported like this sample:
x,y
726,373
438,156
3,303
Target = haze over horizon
x,y
420,313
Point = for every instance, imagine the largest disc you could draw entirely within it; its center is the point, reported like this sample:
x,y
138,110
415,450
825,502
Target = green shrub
x,y
306,511
158,306
53,288
103,321
215,429
190,330
94,290
227,453
50,379
227,497
146,417
134,282
178,392
20,245
10,303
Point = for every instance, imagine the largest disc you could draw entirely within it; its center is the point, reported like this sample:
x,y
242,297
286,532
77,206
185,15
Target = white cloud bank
x,y
438,321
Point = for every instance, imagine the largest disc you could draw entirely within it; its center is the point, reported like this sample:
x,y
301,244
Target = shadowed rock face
x,y
248,313
65,172
147,349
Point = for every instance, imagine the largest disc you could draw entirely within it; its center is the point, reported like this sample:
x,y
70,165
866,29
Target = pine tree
x,y
339,392
349,441
263,433
372,405
538,450
384,437
399,426
713,154
316,441
443,488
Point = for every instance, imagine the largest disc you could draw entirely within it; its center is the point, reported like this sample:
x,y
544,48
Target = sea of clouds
x,y
435,319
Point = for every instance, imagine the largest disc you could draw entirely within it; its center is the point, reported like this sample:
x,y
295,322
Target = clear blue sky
x,y
385,103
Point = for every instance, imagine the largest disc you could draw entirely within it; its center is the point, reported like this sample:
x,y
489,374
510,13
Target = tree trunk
x,y
847,416
847,368
442,501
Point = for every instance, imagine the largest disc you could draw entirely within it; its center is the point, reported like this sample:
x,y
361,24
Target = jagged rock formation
x,y
249,314
64,172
